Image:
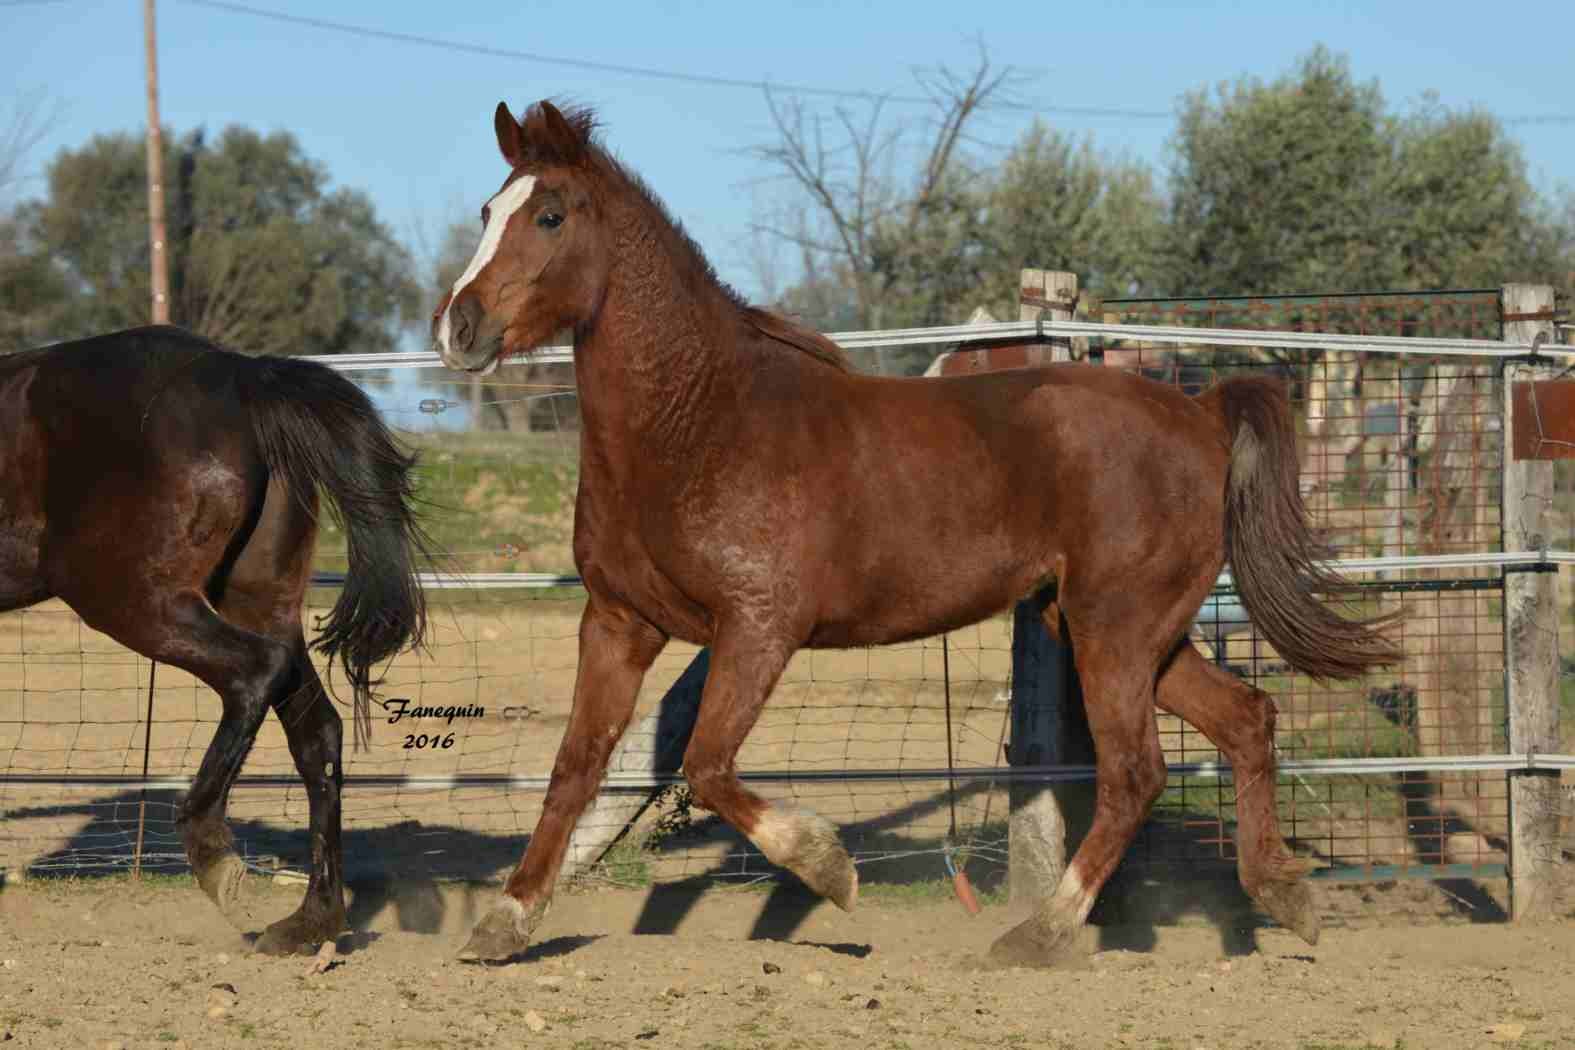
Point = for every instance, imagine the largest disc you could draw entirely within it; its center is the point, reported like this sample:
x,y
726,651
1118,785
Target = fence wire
x,y
1402,456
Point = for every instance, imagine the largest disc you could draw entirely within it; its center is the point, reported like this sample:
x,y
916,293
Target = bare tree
x,y
24,127
852,218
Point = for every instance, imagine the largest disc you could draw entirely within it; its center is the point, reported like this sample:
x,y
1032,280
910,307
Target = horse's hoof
x,y
221,881
829,871
1291,905
299,934
842,888
1035,942
808,845
502,933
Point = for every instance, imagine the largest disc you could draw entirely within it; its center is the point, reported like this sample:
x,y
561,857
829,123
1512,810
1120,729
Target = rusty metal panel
x,y
1543,421
969,360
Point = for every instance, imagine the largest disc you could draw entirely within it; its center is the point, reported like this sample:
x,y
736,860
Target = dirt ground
x,y
103,964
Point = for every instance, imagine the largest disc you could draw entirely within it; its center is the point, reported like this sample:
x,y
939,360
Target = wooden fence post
x,y
1048,724
1531,654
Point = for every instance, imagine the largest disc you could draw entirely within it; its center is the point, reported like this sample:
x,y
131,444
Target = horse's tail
x,y
319,430
1274,556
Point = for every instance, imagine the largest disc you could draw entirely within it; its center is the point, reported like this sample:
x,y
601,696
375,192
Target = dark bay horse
x,y
167,490
741,488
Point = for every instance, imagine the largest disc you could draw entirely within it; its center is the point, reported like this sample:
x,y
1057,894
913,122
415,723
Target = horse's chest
x,y
618,560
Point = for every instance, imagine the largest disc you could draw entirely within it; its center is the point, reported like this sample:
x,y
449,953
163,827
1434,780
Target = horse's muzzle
x,y
465,337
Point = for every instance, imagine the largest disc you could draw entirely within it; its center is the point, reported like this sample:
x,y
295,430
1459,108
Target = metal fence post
x,y
1048,726
1531,652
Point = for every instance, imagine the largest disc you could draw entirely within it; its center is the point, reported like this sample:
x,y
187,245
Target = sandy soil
x,y
110,964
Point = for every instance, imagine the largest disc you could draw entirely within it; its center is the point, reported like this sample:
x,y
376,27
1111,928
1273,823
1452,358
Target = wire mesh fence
x,y
1402,455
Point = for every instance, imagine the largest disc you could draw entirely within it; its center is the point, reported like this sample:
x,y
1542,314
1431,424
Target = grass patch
x,y
499,501
60,885
627,863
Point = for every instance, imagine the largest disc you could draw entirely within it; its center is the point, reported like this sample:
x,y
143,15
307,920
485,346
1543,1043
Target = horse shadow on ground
x,y
405,873
1140,898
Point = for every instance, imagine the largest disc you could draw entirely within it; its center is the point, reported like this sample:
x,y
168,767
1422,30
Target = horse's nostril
x,y
464,322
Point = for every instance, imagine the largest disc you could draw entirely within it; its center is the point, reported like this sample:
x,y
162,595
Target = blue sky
x,y
411,125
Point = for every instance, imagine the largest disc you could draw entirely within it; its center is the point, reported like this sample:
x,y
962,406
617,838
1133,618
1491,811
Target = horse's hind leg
x,y
742,673
263,593
1118,689
181,629
616,649
315,733
1239,720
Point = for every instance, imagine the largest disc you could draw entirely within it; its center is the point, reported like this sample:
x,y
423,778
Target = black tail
x,y
1274,557
319,430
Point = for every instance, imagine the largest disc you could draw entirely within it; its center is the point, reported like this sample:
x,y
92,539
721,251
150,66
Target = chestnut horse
x,y
167,491
742,488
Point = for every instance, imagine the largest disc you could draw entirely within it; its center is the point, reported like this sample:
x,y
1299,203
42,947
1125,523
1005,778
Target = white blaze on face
x,y
502,208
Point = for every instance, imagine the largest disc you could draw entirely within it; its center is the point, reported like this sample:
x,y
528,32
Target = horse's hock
x,y
1385,780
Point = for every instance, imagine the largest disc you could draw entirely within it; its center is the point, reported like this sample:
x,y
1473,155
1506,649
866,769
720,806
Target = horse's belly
x,y
885,608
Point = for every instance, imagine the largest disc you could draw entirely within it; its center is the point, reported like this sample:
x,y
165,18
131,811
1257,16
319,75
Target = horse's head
x,y
537,270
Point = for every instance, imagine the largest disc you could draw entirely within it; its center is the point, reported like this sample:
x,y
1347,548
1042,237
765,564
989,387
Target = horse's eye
x,y
550,220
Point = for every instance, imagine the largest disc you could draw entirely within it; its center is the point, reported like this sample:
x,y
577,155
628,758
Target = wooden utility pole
x,y
159,261
161,315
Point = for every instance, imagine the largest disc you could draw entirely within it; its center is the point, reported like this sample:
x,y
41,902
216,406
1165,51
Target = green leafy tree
x,y
1458,209
1275,187
1311,184
1058,205
34,295
264,255
32,292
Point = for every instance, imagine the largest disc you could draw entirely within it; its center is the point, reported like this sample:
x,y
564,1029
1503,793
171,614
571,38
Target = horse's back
x,y
140,393
117,365
1083,434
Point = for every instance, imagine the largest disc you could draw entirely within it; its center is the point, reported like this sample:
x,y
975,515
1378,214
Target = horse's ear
x,y
511,137
562,140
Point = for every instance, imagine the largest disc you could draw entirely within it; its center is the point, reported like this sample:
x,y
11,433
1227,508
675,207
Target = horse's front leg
x,y
745,665
616,649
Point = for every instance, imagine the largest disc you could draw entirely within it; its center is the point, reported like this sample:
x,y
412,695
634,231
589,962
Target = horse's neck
x,y
657,368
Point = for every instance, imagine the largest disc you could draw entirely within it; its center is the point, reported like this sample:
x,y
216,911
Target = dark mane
x,y
775,327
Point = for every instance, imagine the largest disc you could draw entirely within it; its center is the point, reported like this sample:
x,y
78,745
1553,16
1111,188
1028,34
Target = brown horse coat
x,y
741,488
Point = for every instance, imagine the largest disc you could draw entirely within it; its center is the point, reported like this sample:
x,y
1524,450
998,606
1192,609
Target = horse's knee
x,y
709,784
